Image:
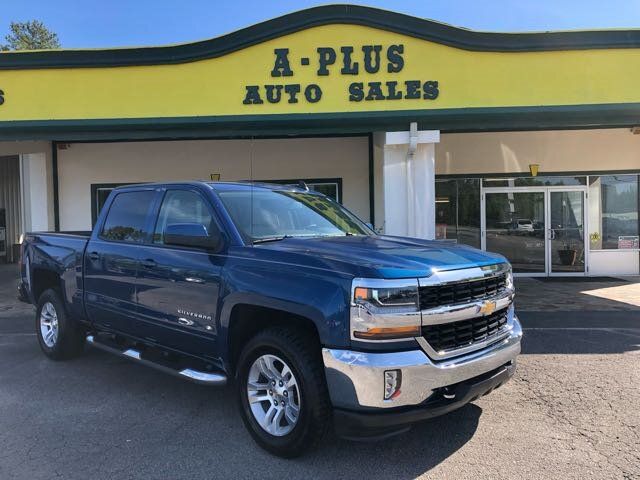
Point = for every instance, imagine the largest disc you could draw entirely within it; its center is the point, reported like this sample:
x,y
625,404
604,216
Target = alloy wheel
x,y
49,324
274,395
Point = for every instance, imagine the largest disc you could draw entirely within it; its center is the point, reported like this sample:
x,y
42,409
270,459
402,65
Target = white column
x,y
408,170
35,192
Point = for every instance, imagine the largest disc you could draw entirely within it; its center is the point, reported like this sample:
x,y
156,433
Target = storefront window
x,y
613,212
99,194
458,210
331,187
550,181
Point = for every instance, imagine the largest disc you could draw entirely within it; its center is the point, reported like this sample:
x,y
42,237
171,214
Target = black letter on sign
x,y
394,55
347,67
393,94
281,66
326,56
312,93
413,89
1,97
270,96
293,90
356,92
253,95
430,89
375,92
369,66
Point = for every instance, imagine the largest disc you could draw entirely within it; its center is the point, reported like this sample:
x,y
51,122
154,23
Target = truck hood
x,y
386,256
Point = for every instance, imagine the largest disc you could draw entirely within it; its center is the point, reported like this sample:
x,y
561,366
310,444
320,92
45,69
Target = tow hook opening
x,y
448,393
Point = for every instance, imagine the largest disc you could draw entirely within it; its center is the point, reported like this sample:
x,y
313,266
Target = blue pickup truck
x,y
315,318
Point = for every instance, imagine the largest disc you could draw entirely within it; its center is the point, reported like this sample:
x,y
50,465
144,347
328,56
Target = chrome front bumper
x,y
356,379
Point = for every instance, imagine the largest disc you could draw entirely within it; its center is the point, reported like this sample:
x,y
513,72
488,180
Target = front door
x,y
566,232
178,287
540,230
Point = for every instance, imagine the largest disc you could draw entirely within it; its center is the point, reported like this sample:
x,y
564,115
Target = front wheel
x,y
59,337
282,391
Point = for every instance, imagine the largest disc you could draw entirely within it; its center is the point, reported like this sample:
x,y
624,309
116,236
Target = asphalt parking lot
x,y
572,411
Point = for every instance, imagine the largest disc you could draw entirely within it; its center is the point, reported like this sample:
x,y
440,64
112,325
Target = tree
x,y
32,35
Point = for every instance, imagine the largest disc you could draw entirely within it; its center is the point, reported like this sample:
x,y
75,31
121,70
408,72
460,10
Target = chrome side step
x,y
195,376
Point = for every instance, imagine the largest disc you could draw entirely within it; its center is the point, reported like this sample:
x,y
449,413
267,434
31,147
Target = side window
x,y
127,217
182,206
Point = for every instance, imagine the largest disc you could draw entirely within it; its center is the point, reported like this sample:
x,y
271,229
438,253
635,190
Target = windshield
x,y
279,214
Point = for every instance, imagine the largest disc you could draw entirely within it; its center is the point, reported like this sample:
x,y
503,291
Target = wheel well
x,y
247,320
43,280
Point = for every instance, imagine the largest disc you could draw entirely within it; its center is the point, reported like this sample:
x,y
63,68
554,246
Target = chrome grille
x,y
432,296
455,335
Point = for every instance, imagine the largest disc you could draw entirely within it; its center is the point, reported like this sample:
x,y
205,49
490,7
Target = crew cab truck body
x,y
313,315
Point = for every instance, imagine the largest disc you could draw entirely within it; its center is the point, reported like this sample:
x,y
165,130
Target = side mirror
x,y
191,235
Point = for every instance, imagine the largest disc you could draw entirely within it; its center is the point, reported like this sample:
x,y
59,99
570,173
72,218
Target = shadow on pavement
x,y
587,332
121,420
591,341
407,455
578,294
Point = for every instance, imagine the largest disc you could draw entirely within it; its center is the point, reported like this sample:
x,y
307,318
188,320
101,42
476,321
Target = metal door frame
x,y
547,220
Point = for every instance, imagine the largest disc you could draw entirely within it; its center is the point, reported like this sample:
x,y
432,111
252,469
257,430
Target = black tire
x,y
302,354
70,339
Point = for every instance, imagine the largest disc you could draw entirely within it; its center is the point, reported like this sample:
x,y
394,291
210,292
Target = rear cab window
x,y
127,217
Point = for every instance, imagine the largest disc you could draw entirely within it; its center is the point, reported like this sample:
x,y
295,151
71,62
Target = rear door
x,y
178,287
112,258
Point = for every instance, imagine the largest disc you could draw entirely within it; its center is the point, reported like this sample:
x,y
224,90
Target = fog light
x,y
392,383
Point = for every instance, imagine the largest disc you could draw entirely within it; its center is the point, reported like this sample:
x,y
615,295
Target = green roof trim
x,y
447,120
324,15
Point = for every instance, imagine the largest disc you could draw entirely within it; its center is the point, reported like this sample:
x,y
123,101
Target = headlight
x,y
384,310
509,279
387,297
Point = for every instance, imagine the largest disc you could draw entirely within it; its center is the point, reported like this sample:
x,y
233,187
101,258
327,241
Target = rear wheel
x,y
282,391
59,337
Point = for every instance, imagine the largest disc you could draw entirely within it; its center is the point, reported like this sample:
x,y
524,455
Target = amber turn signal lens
x,y
361,293
388,333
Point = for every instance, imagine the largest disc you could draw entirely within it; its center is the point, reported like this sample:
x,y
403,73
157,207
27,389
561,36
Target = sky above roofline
x,y
117,23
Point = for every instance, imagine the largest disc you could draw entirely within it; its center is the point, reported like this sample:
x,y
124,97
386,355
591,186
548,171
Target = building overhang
x,y
317,72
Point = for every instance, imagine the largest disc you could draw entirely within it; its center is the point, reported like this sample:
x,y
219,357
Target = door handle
x,y
94,256
149,263
194,280
552,234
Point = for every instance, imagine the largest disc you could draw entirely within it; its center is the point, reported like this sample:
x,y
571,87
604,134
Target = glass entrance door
x,y
540,230
566,232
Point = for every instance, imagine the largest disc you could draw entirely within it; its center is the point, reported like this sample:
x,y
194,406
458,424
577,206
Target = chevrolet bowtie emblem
x,y
487,308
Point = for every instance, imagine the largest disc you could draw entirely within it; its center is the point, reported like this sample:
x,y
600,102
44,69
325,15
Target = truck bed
x,y
62,253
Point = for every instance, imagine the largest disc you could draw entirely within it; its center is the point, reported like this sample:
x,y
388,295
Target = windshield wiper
x,y
271,239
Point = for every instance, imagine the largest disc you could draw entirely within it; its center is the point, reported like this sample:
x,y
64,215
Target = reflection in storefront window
x,y
515,229
613,212
458,210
